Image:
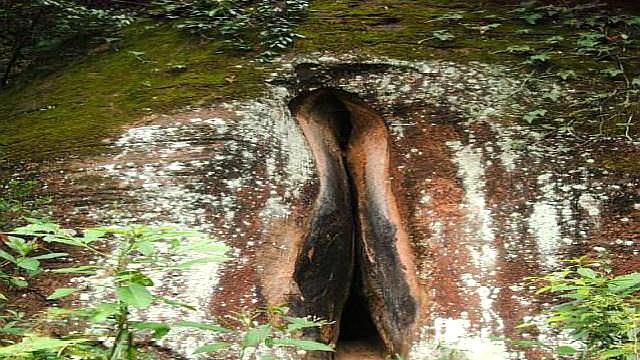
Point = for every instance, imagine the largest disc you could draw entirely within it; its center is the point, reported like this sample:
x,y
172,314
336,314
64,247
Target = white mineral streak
x,y
452,341
288,162
543,222
480,238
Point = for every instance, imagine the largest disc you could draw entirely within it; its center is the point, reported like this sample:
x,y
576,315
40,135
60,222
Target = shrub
x,y
600,310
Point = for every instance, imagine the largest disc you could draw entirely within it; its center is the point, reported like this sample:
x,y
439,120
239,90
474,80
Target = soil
x,y
358,350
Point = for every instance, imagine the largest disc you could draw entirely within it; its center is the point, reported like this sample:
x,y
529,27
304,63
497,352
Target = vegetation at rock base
x,y
112,332
598,311
19,200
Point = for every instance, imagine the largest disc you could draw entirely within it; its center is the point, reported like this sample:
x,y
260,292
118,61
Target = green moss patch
x,y
156,68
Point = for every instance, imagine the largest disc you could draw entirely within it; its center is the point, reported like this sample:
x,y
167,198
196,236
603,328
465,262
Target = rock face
x,y
403,190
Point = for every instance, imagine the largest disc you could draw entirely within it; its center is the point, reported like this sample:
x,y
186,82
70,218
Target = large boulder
x,y
401,200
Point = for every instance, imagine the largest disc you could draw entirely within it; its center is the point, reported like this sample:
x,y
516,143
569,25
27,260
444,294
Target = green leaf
x,y
538,59
146,248
636,82
101,312
90,235
50,256
18,281
612,72
135,295
297,323
5,255
608,354
532,19
586,272
624,283
443,35
256,336
202,326
30,264
202,246
201,261
36,343
213,347
634,21
36,229
134,276
85,269
452,15
302,344
62,292
566,350
534,115
554,39
159,329
589,40
567,74
552,95
519,49
175,303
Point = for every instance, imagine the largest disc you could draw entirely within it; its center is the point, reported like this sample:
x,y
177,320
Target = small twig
x,y
627,128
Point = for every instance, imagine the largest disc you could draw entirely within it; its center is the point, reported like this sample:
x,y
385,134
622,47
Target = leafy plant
x,y
443,35
519,49
590,41
153,247
566,74
452,15
31,27
612,72
532,18
259,341
552,40
245,24
20,261
538,59
599,309
19,199
534,115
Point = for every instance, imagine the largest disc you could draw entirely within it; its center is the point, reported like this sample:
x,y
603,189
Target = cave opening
x,y
357,334
349,269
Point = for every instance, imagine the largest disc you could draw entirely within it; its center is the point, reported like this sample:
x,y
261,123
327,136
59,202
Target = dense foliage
x,y
599,310
140,251
595,44
245,24
28,28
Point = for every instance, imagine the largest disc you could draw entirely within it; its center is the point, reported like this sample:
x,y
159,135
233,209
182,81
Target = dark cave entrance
x,y
358,333
357,329
349,269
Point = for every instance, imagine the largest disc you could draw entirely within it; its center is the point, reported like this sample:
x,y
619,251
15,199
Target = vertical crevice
x,y
355,265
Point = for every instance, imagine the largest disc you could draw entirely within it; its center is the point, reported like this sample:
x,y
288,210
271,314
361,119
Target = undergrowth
x,y
112,331
597,310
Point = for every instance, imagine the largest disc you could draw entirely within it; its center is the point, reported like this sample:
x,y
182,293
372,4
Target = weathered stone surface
x,y
473,202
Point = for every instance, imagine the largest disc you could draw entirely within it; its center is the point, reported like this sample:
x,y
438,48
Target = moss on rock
x,y
156,68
